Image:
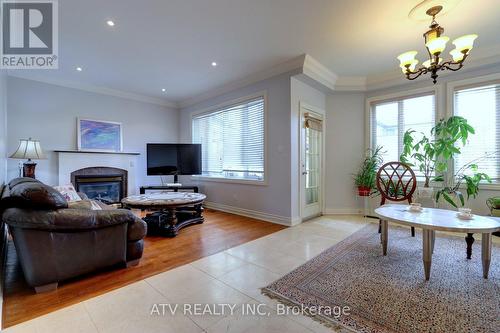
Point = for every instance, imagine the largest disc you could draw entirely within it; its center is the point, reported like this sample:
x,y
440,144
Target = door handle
x,y
304,173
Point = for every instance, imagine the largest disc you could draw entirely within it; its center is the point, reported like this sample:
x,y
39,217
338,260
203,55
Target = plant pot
x,y
364,191
425,192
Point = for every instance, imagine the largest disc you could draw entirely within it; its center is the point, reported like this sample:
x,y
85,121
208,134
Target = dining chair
x,y
396,181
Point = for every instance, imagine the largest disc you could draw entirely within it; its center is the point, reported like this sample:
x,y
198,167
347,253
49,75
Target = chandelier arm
x,y
416,73
449,64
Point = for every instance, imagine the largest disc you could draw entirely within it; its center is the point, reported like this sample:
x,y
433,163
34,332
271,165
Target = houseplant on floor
x,y
366,176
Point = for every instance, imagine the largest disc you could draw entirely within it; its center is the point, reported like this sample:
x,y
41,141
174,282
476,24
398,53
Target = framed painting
x,y
98,135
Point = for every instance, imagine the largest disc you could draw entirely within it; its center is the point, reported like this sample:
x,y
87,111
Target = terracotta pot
x,y
364,191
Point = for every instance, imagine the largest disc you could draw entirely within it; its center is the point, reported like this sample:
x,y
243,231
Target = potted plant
x,y
366,176
431,155
494,206
470,177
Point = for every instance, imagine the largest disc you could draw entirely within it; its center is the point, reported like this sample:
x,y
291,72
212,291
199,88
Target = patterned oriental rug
x,y
389,294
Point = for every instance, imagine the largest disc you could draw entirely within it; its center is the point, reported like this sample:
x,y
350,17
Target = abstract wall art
x,y
98,135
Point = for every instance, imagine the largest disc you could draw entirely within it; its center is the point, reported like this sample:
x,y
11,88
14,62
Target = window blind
x,y
481,107
390,119
232,140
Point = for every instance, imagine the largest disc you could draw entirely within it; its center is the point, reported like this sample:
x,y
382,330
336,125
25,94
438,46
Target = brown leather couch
x,y
55,242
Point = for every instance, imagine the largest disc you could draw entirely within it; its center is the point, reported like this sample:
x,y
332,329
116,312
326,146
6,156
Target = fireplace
x,y
105,184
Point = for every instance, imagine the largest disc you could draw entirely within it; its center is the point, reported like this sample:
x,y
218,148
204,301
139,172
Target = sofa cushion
x,y
35,195
68,192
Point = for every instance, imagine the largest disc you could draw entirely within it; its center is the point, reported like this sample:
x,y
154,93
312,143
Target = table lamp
x,y
29,149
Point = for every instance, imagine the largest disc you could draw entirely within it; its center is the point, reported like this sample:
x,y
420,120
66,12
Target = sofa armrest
x,y
66,219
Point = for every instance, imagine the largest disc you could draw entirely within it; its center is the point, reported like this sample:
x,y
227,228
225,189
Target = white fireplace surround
x,y
70,161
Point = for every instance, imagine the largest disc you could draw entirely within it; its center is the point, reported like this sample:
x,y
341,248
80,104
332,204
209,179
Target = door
x,y
311,174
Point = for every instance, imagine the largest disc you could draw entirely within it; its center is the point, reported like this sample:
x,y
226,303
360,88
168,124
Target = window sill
x,y
230,180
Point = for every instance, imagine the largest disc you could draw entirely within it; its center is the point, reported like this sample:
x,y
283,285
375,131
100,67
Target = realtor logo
x,y
29,34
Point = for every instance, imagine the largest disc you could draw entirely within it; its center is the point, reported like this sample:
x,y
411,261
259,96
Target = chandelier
x,y
435,44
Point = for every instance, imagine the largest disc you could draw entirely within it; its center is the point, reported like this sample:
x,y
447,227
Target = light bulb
x,y
437,45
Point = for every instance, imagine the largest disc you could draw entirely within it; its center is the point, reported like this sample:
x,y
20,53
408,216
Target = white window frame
x,y
436,90
218,107
450,107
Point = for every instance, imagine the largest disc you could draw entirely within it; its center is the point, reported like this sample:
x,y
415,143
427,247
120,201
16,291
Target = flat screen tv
x,y
173,159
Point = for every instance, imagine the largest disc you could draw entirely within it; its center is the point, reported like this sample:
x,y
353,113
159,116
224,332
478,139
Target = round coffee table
x,y
173,210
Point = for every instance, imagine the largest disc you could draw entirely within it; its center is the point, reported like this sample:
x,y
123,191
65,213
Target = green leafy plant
x,y
470,180
431,155
367,172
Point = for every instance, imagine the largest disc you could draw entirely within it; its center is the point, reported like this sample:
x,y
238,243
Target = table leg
x,y
172,222
427,251
469,239
433,240
486,253
384,236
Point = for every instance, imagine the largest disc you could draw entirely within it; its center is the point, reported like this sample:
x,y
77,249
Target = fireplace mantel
x,y
96,152
72,160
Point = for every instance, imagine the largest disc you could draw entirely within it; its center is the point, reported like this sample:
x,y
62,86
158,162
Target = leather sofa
x,y
56,241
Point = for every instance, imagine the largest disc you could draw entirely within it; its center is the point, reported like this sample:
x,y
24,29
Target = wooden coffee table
x,y
432,219
172,210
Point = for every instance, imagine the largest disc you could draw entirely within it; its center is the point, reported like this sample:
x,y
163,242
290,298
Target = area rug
x,y
389,294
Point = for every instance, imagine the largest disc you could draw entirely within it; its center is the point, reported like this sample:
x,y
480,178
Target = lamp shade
x,y
437,45
457,55
465,43
29,149
407,58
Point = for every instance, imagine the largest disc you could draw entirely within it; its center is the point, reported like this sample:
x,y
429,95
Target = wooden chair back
x,y
396,181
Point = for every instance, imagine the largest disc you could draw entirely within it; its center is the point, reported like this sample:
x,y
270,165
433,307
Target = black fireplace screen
x,y
105,189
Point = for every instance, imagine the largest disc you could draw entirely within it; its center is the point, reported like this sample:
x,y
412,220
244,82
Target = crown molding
x,y
351,83
318,72
99,90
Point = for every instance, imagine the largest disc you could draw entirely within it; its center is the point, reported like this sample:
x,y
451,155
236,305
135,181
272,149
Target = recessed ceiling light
x,y
214,64
79,69
110,23
163,89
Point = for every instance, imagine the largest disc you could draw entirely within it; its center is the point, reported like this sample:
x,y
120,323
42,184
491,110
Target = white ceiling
x,y
171,43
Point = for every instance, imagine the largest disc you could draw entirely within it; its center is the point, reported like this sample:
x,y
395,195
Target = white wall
x,y
300,92
271,201
48,113
478,205
345,146
3,127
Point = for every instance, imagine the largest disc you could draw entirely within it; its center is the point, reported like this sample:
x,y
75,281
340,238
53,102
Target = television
x,y
173,159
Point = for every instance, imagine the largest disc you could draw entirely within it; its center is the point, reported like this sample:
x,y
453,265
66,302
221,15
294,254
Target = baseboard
x,y
343,211
283,220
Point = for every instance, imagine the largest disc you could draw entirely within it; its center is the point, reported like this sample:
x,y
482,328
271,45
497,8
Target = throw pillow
x,y
68,192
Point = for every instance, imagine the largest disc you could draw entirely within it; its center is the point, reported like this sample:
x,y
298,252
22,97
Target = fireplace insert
x,y
107,189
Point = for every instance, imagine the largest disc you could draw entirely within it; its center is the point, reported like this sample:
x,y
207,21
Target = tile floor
x,y
232,277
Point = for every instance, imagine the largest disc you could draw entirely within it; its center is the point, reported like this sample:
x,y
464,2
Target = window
x,y
232,140
480,105
390,119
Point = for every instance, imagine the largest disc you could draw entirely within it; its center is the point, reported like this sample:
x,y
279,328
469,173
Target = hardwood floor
x,y
219,232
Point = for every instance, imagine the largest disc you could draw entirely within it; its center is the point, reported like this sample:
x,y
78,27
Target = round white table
x,y
432,219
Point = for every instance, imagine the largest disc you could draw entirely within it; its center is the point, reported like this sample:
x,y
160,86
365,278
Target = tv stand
x,y
183,188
